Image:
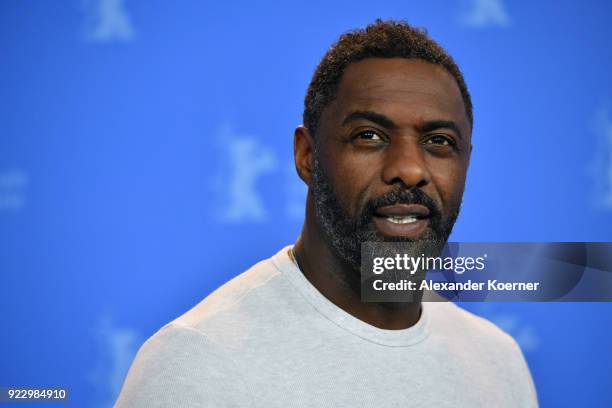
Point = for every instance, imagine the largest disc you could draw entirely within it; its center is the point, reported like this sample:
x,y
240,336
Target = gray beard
x,y
345,234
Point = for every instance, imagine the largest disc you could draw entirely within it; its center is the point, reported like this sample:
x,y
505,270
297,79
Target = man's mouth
x,y
409,219
402,220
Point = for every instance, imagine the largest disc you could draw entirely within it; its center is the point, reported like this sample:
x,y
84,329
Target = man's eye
x,y
369,135
440,140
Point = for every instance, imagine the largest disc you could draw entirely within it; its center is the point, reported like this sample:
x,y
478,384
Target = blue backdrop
x,y
125,196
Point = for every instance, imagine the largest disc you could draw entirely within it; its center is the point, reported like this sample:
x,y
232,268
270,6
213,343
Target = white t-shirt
x,y
269,338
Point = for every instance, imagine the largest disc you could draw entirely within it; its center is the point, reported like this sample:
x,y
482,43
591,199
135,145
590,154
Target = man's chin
x,y
424,245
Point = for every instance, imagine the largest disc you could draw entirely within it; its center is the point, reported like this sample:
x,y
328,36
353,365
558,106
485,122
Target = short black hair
x,y
381,39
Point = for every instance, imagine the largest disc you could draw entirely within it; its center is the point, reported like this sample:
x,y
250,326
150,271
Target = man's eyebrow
x,y
377,118
439,124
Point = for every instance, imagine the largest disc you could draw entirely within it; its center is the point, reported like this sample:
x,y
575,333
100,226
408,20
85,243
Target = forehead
x,y
408,91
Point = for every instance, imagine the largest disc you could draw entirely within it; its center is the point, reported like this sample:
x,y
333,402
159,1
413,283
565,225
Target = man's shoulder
x,y
247,302
477,340
483,346
189,364
196,348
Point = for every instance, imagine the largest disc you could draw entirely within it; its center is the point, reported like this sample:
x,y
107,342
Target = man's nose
x,y
405,163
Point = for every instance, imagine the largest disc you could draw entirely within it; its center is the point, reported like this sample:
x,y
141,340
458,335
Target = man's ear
x,y
470,154
303,146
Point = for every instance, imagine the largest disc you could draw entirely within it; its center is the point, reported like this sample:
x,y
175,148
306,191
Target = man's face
x,y
391,157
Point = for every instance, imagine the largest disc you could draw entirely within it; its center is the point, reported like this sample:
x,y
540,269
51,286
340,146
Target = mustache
x,y
402,196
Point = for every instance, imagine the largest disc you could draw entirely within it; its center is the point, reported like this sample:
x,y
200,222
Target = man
x,y
384,150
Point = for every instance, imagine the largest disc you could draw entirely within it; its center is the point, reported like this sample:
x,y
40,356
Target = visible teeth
x,y
402,219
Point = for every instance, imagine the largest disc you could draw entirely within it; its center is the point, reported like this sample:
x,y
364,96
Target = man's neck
x,y
335,280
